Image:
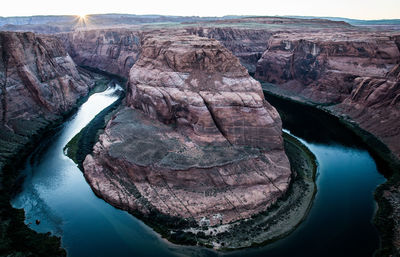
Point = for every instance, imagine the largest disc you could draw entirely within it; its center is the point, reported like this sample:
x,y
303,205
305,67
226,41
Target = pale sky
x,y
357,9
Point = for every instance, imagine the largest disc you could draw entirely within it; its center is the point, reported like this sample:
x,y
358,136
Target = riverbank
x,y
82,143
388,214
278,221
16,238
281,218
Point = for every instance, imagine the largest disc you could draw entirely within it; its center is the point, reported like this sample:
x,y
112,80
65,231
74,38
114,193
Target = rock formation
x,y
246,44
111,50
356,72
116,50
196,130
248,38
374,103
197,140
39,82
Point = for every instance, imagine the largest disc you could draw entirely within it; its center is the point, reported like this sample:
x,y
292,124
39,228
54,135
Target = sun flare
x,y
82,16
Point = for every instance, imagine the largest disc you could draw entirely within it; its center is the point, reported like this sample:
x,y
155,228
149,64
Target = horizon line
x,y
199,16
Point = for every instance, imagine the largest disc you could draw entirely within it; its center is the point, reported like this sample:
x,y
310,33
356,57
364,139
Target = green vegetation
x,y
275,223
291,143
82,143
101,86
170,228
109,76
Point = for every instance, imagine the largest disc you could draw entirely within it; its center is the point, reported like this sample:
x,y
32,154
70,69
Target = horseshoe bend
x,y
222,135
196,139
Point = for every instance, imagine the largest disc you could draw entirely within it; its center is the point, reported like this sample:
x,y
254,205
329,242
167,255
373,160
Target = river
x,y
339,223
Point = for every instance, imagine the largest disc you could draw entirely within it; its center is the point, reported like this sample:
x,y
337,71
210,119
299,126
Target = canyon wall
x,y
357,73
196,130
111,50
116,50
247,39
352,71
39,82
246,44
197,140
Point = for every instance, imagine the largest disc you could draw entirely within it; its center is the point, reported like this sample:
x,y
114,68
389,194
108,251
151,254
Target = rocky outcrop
x,y
249,38
357,74
355,71
375,105
39,82
116,50
323,67
197,140
246,44
111,50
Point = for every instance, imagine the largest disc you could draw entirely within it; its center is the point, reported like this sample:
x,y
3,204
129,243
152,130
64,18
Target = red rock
x,y
356,71
201,142
39,82
246,44
111,50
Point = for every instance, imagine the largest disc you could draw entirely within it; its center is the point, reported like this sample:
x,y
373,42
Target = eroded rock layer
x,y
111,50
39,82
245,43
355,72
197,139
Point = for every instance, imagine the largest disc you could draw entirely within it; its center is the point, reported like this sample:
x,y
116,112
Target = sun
x,y
82,20
82,16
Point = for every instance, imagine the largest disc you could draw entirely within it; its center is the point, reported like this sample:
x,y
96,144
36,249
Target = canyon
x,y
324,62
195,139
39,84
355,74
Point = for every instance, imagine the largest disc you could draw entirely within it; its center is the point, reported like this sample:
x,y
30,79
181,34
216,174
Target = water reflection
x,y
312,125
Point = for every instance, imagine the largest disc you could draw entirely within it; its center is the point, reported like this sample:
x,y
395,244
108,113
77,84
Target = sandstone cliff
x,y
246,44
355,72
111,50
248,38
39,82
198,140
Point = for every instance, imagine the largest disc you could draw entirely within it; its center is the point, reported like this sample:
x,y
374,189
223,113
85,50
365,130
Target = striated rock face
x,y
245,43
357,71
114,51
197,139
39,82
202,86
249,38
374,103
323,67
